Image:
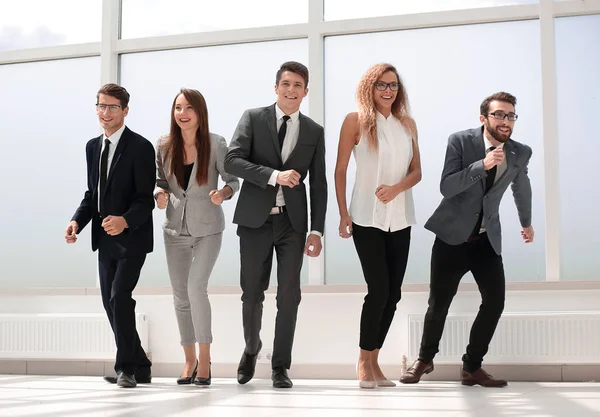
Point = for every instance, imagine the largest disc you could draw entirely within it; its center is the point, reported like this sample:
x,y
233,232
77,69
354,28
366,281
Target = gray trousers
x,y
256,256
190,261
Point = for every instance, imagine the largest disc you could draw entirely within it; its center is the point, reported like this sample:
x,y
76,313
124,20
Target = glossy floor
x,y
27,395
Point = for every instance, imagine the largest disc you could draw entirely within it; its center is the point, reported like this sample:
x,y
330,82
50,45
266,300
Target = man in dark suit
x,y
121,175
480,165
272,149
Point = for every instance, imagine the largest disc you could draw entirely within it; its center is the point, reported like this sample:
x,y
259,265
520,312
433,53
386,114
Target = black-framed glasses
x,y
381,86
112,108
500,115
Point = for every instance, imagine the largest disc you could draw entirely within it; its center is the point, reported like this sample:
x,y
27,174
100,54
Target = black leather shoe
x,y
247,366
204,382
140,377
187,380
126,380
280,378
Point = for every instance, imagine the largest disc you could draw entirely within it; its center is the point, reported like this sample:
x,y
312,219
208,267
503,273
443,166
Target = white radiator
x,y
541,337
61,336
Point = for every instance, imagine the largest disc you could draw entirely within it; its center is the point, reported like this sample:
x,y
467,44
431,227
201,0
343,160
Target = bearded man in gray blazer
x,y
272,150
480,165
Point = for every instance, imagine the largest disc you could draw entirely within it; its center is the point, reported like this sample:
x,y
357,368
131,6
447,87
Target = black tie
x,y
491,174
282,131
103,174
489,181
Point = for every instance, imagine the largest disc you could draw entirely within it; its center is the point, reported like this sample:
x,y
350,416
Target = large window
x,y
229,86
343,9
450,53
162,17
48,116
447,73
38,23
578,99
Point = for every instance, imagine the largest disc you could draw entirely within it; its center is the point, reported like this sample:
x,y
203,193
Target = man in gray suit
x,y
480,164
272,149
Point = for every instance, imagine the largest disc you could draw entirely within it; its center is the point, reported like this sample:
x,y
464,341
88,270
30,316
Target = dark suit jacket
x,y
129,188
463,188
253,155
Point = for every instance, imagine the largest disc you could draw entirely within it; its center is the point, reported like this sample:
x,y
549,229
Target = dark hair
x,y
295,67
115,91
500,96
173,147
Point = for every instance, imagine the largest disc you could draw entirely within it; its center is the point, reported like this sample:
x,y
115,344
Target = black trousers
x,y
118,278
383,257
449,263
256,257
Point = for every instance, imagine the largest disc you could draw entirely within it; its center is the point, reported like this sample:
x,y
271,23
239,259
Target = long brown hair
x,y
173,147
367,116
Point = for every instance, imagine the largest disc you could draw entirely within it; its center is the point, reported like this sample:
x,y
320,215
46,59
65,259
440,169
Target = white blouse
x,y
388,165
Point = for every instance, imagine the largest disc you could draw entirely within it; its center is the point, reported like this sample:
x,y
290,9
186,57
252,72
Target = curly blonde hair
x,y
367,116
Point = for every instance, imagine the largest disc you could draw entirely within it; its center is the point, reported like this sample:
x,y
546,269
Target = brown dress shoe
x,y
416,371
481,377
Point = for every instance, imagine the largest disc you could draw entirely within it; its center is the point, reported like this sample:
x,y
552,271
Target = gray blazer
x,y
463,188
253,155
202,217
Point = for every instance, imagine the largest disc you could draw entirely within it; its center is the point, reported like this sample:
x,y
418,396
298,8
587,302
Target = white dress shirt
x,y
388,165
114,141
289,143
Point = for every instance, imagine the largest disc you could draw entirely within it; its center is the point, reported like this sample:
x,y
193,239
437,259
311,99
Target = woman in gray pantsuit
x,y
189,161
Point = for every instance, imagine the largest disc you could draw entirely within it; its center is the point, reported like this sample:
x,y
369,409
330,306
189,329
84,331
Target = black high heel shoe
x,y
204,382
188,379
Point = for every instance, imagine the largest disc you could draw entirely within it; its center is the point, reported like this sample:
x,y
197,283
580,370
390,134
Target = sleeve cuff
x,y
314,232
273,179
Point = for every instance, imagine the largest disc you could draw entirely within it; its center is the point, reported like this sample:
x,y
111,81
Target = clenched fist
x,y
162,198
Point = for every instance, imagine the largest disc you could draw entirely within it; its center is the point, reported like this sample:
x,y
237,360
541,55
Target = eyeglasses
x,y
112,108
381,86
500,115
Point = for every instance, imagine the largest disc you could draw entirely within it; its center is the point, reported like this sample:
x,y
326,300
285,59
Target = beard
x,y
496,134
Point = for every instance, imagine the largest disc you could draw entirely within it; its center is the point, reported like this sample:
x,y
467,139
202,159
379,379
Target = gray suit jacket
x,y
202,217
463,188
253,155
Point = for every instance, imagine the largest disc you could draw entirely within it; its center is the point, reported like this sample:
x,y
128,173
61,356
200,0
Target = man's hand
x,y
71,232
313,245
114,225
493,158
162,198
527,234
386,193
216,196
289,178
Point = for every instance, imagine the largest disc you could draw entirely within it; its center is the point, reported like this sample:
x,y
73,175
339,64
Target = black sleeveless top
x,y
187,169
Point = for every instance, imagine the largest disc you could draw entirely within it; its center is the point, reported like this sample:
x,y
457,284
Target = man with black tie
x,y
480,165
273,149
121,175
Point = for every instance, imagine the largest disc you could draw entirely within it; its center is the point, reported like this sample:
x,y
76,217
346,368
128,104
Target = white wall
x,y
327,330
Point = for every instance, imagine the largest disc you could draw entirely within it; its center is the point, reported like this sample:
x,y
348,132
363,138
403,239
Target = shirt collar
x,y
114,138
488,144
279,114
382,118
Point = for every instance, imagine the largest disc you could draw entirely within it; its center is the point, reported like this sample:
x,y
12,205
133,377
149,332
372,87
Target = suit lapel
x,y
96,158
510,156
272,125
479,146
118,152
301,135
192,180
